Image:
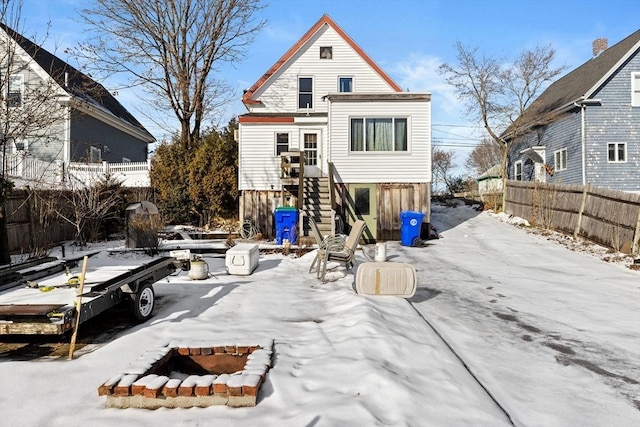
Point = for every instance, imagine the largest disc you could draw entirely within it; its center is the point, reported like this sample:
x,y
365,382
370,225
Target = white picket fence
x,y
27,170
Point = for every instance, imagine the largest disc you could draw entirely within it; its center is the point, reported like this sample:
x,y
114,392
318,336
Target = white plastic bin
x,y
242,259
386,278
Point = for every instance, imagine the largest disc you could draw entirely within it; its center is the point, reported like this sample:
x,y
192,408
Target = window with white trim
x,y
15,91
282,143
617,152
379,134
305,92
635,89
517,170
20,146
345,84
326,52
560,159
95,154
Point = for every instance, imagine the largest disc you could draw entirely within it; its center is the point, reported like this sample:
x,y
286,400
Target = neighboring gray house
x,y
587,128
89,125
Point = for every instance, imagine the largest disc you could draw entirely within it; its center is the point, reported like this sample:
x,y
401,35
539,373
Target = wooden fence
x,y
607,217
31,226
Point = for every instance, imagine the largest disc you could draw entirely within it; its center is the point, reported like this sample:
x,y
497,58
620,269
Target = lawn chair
x,y
340,250
319,241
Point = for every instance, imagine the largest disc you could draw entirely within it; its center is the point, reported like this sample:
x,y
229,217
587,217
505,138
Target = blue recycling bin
x,y
410,226
286,221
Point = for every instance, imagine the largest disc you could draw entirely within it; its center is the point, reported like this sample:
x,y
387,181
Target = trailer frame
x,y
58,319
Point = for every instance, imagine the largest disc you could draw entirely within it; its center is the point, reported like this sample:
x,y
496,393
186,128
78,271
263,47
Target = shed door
x,y
363,205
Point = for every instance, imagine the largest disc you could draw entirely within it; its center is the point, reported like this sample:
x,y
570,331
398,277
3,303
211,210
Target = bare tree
x,y
172,48
484,156
498,93
442,164
89,204
30,104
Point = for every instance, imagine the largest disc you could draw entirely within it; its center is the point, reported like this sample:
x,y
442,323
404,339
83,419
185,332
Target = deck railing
x,y
36,172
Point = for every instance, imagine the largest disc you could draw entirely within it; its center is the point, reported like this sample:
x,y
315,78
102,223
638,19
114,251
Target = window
x,y
282,143
617,152
362,201
95,154
126,160
15,91
311,149
379,134
326,52
635,89
518,170
305,92
345,84
560,159
20,146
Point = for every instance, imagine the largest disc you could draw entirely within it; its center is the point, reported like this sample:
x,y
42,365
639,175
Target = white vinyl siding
x,y
259,167
411,166
280,93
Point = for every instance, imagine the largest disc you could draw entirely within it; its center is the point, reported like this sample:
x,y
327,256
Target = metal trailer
x,y
133,286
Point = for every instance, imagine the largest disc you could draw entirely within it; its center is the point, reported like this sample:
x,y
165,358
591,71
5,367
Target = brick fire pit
x,y
184,376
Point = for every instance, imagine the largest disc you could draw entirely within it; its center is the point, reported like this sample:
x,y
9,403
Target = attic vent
x,y
599,46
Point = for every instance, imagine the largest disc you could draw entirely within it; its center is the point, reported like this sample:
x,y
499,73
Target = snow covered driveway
x,y
554,335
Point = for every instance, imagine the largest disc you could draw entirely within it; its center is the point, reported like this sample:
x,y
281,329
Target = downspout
x,y
583,138
66,156
582,104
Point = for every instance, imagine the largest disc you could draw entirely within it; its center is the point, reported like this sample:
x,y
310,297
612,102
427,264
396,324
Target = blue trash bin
x,y
410,226
286,221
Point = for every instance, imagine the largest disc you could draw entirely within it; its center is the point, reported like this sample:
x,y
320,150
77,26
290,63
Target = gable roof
x,y
75,82
324,20
585,80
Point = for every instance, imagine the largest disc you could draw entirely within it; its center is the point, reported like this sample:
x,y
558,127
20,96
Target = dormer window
x,y
326,52
305,92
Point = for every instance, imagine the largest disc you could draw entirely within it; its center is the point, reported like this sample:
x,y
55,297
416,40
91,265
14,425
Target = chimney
x,y
599,46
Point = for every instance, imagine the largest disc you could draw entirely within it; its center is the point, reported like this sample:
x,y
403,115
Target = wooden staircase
x,y
314,193
316,204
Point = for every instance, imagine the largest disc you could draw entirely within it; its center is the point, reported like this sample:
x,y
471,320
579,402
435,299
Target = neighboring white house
x,y
358,133
61,127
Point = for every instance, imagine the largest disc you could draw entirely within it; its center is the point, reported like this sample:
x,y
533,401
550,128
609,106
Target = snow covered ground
x,y
506,327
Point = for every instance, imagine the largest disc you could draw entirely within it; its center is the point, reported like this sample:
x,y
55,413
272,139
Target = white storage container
x,y
386,278
242,259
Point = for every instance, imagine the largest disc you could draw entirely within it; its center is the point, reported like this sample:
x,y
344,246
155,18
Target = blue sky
x,y
409,39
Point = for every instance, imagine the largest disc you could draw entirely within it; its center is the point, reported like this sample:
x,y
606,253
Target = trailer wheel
x,y
142,303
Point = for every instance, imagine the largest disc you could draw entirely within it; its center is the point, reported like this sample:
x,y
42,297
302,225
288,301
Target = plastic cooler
x,y
242,259
286,219
410,226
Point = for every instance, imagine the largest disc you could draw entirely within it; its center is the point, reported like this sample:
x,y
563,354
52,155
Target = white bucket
x,y
381,252
199,270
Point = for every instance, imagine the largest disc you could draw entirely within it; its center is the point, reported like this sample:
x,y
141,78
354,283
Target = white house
x,y
363,142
